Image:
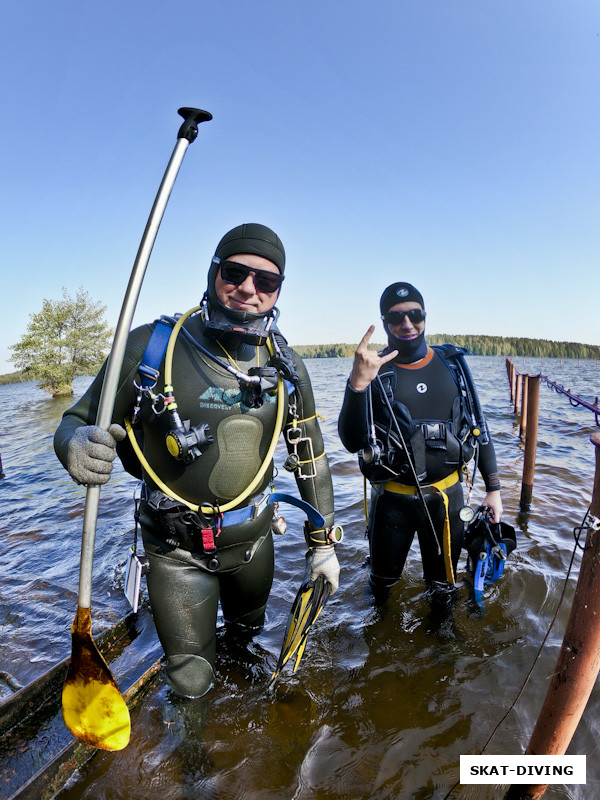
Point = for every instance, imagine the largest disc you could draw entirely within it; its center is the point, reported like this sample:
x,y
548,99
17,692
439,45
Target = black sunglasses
x,y
234,273
415,315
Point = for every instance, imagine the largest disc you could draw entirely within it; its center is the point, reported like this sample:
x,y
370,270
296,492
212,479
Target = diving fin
x,y
309,601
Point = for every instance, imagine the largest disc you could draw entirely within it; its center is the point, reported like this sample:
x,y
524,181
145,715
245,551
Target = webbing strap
x,y
154,353
446,538
311,512
401,488
439,487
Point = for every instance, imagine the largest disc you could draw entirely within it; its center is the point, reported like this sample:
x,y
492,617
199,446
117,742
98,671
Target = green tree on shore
x,y
68,337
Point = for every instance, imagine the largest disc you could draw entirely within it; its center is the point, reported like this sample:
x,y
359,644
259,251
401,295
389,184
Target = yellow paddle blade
x,y
93,707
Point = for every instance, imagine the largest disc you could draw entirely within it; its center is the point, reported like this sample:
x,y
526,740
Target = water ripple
x,y
385,700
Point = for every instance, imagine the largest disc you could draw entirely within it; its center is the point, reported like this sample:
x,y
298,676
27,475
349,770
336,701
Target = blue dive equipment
x,y
488,568
488,544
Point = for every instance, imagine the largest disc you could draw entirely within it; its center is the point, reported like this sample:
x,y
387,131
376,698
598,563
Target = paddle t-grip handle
x,y
192,118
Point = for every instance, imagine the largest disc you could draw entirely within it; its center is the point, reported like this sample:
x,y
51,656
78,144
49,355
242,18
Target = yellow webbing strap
x,y
312,460
316,415
439,487
401,488
446,539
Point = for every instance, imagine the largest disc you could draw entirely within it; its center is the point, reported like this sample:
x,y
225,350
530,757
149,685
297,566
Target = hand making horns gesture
x,y
367,363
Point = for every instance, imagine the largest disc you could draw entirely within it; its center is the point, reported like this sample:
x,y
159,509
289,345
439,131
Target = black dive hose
x,y
249,380
235,372
410,461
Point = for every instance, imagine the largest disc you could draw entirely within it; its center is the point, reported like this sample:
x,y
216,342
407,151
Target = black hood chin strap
x,y
409,350
222,323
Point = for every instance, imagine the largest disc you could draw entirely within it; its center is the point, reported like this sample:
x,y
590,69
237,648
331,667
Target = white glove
x,y
323,561
91,453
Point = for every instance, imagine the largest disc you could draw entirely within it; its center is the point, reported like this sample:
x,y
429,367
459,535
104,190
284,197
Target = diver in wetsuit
x,y
233,383
433,425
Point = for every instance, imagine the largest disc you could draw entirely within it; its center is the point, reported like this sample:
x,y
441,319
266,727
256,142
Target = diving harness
x,y
186,443
384,446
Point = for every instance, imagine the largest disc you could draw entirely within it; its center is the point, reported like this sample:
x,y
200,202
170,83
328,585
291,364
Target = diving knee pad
x,y
189,675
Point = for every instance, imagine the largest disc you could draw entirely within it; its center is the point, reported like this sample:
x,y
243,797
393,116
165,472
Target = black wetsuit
x,y
185,583
424,393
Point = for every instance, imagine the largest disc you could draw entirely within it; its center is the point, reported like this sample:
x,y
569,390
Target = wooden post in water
x,y
533,403
523,425
579,659
512,382
518,389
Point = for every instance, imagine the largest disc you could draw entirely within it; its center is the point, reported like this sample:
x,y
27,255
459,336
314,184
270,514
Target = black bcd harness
x,y
450,443
281,363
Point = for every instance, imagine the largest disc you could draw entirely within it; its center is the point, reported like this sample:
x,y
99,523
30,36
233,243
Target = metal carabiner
x,y
157,398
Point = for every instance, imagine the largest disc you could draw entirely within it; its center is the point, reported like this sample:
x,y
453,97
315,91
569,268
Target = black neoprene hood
x,y
253,238
409,350
400,293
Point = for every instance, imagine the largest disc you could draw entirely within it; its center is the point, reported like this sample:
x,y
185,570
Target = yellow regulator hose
x,y
168,388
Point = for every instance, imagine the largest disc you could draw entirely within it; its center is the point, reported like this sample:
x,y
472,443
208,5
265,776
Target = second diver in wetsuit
x,y
423,392
206,443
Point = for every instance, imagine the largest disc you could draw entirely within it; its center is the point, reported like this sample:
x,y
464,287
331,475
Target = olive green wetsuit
x,y
185,582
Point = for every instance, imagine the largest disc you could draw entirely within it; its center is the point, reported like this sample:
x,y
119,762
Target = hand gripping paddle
x,y
93,707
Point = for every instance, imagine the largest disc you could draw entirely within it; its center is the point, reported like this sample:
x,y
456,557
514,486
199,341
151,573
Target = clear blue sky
x,y
451,143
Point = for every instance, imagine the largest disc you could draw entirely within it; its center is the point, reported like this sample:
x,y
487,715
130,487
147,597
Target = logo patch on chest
x,y
421,388
217,398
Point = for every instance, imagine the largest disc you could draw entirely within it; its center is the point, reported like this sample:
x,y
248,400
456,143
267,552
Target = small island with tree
x,y
67,338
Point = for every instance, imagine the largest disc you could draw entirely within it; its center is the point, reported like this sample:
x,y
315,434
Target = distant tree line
x,y
15,377
516,346
329,350
476,345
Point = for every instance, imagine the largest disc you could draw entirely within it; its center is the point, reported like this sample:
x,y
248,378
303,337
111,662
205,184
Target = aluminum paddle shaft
x,y
187,134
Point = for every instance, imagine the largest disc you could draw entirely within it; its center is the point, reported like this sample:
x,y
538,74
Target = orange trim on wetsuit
x,y
422,362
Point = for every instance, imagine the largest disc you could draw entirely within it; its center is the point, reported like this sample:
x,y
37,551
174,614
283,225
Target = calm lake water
x,y
384,701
